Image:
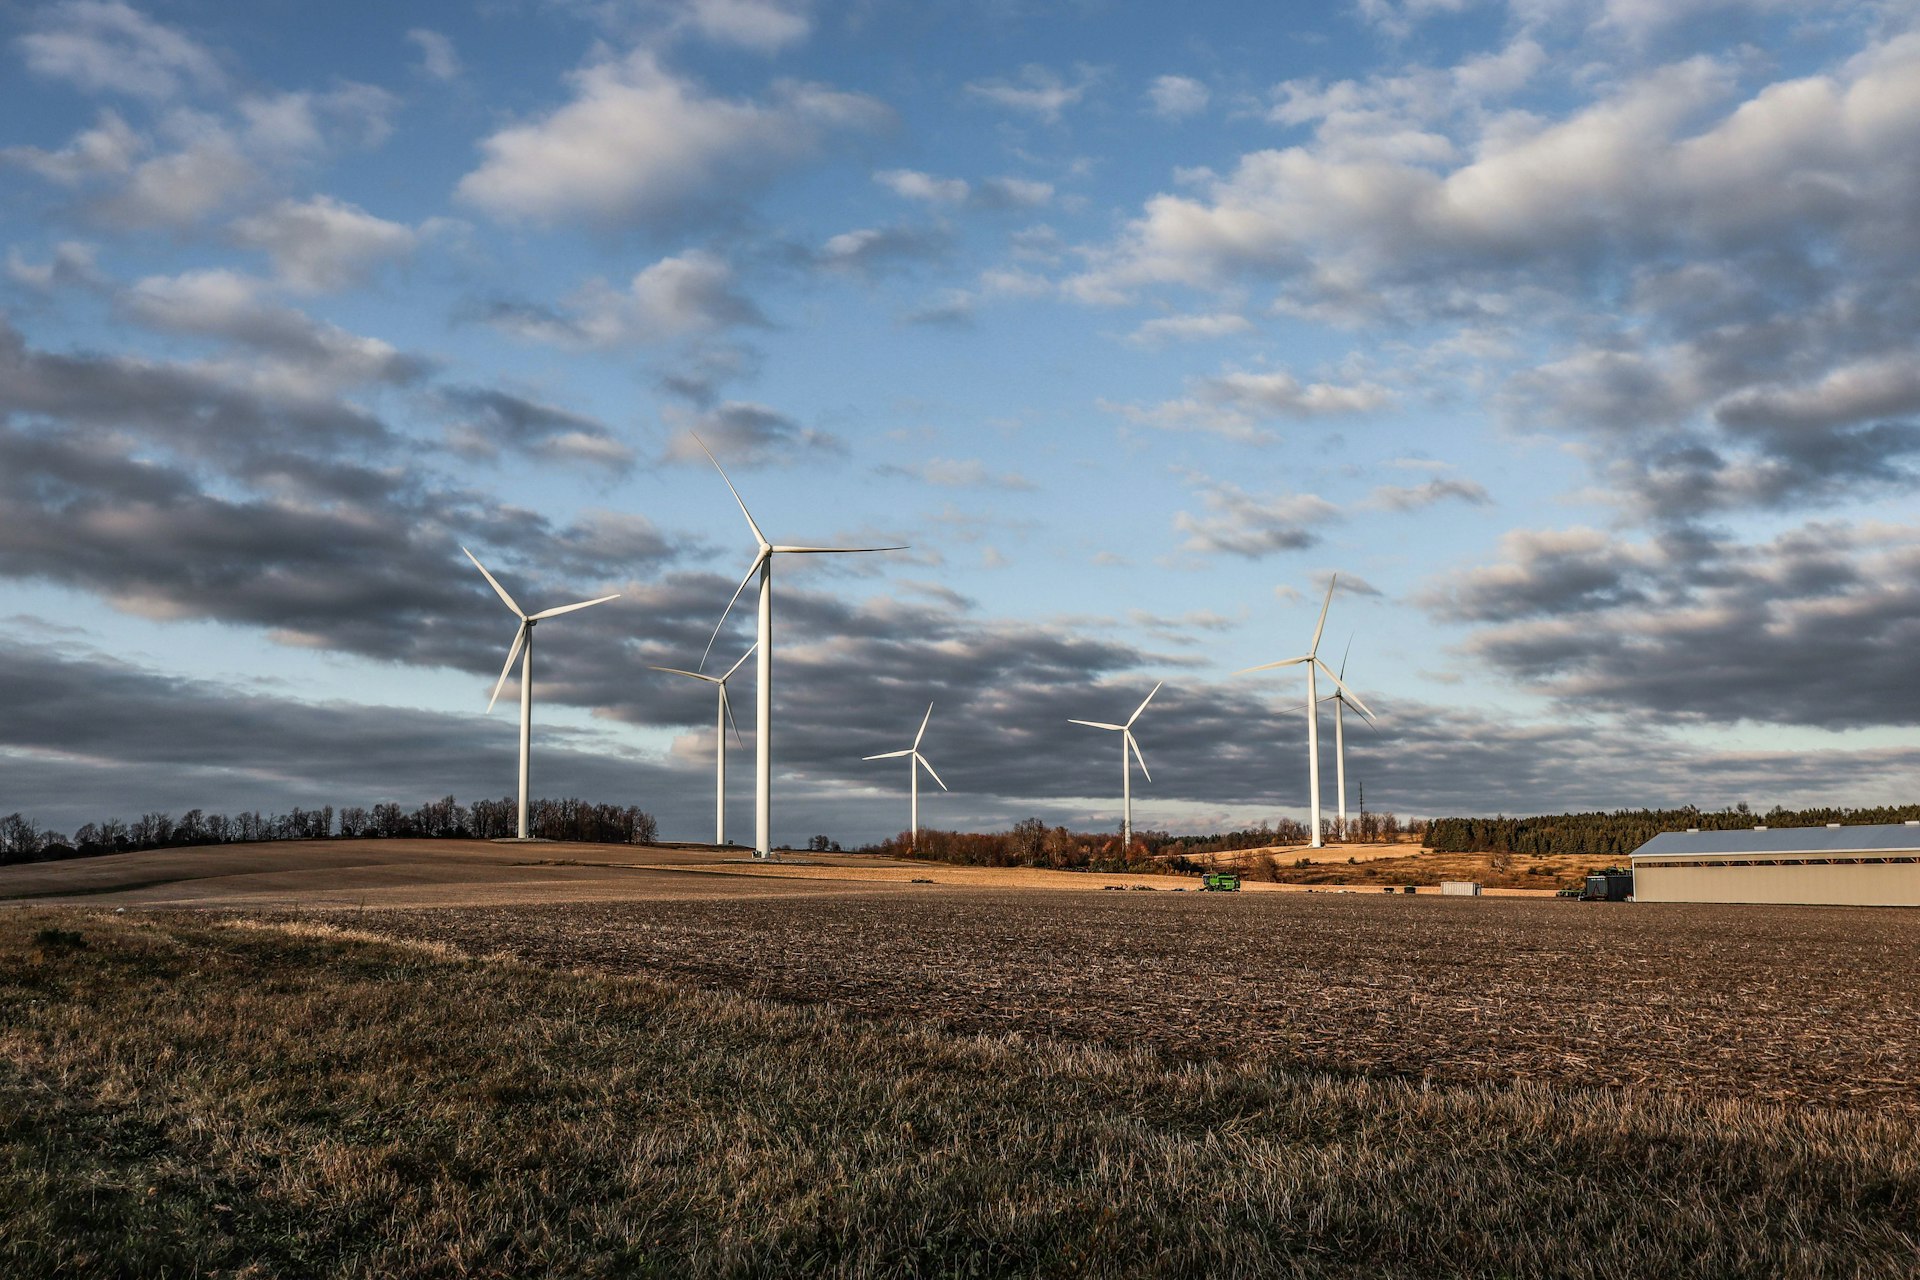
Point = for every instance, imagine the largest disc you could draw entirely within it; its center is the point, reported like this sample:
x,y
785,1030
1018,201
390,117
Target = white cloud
x,y
437,56
763,25
685,295
958,473
302,357
752,435
73,265
1392,497
1039,91
1177,97
1234,403
323,243
1354,222
639,145
1013,193
180,188
108,149
991,193
1238,523
867,249
911,184
103,46
279,125
1190,328
1884,386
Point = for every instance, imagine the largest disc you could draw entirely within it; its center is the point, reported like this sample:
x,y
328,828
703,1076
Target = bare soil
x,y
1805,1005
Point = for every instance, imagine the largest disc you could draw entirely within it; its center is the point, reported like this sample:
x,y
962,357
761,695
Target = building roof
x,y
1890,838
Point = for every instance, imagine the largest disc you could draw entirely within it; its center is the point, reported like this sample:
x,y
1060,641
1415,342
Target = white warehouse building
x,y
1834,865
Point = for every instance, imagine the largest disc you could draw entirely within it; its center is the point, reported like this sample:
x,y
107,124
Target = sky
x,y
1577,337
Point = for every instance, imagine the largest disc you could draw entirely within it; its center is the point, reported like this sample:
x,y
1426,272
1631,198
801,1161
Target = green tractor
x,y
1220,882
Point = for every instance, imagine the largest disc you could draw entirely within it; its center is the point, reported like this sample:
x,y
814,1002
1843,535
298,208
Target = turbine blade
x,y
675,671
1143,704
736,666
929,768
758,536
1136,753
888,755
569,608
725,613
519,638
1321,625
502,591
1345,654
1353,699
923,727
726,705
1097,724
1269,666
828,551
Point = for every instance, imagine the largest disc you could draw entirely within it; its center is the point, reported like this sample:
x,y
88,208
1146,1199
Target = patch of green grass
x,y
187,1097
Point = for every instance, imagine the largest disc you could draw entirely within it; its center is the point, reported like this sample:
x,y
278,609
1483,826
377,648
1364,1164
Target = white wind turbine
x,y
1314,663
763,691
1126,766
523,645
721,719
917,763
1340,700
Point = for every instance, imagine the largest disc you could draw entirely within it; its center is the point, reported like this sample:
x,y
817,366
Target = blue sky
x,y
1576,336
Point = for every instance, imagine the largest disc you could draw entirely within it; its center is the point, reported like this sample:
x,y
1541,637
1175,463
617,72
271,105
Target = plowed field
x,y
1785,1004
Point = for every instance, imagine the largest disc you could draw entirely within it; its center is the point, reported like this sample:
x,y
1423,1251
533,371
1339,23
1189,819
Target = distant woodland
x,y
21,840
1620,832
1032,843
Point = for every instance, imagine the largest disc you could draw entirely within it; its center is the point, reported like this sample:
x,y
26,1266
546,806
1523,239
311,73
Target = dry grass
x,y
414,873
1779,1003
1404,863
179,1098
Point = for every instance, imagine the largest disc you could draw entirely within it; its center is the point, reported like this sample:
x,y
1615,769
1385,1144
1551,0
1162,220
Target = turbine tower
x,y
1314,663
763,644
722,717
1126,766
917,763
522,648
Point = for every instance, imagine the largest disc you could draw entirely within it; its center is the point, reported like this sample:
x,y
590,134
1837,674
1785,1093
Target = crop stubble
x,y
1780,1004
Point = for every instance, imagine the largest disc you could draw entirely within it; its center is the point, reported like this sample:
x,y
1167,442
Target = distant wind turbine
x,y
722,717
523,648
1340,700
1126,766
917,763
1313,662
763,691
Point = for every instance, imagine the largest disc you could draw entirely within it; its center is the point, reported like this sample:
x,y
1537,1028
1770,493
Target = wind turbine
x,y
722,717
1313,662
1340,701
763,644
913,769
1126,766
522,648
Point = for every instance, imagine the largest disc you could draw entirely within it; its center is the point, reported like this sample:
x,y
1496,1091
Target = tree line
x,y
23,840
1032,843
1617,833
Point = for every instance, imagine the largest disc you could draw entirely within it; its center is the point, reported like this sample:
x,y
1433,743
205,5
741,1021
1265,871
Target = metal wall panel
x,y
1895,884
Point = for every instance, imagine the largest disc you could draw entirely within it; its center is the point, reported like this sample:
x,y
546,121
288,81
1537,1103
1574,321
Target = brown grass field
x,y
450,1058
